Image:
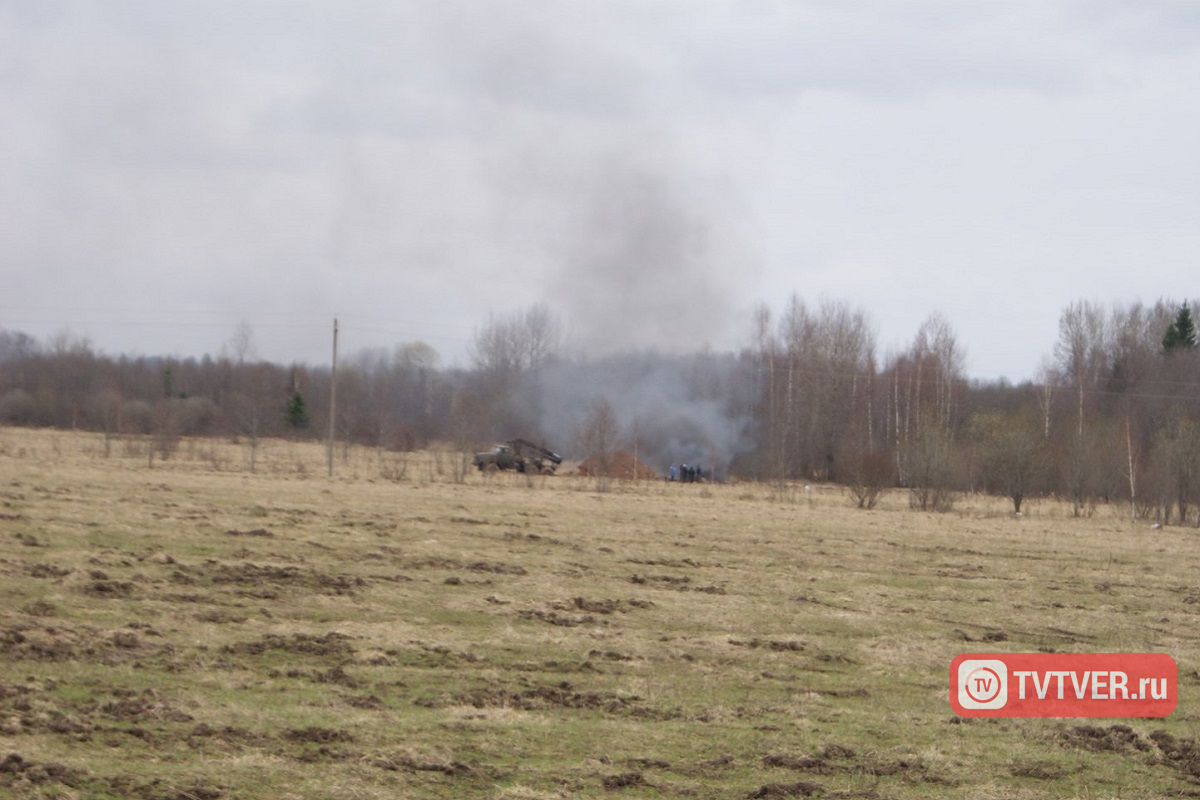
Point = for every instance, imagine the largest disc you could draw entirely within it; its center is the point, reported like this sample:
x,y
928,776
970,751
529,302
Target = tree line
x,y
1113,416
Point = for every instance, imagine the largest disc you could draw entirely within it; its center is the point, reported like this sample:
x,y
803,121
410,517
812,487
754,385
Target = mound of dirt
x,y
621,465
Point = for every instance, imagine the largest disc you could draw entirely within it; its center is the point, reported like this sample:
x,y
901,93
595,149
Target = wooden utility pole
x,y
332,401
1132,474
635,451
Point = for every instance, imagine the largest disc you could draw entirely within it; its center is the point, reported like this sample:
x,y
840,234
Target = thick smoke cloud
x,y
647,262
671,409
648,269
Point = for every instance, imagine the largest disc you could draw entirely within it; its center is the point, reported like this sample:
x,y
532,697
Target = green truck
x,y
519,454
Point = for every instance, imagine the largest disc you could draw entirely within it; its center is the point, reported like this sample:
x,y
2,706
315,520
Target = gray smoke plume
x,y
671,409
639,250
648,274
647,263
635,249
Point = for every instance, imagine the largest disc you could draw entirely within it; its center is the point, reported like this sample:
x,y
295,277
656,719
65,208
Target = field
x,y
183,629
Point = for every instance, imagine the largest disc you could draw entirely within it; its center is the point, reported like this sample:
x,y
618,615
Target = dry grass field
x,y
184,629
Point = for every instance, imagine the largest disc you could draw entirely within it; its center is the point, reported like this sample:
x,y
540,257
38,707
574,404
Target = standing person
x,y
673,472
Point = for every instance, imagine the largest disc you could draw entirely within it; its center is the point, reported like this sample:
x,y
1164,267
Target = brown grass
x,y
193,630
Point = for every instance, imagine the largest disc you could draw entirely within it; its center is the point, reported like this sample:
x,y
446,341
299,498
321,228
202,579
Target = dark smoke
x,y
671,409
648,262
649,276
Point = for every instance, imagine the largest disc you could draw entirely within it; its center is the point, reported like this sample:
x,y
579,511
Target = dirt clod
x,y
818,766
329,644
498,569
1111,739
106,588
318,735
1184,754
622,780
1041,770
48,571
800,789
38,773
126,639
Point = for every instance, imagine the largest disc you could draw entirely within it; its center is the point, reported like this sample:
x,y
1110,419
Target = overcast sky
x,y
651,170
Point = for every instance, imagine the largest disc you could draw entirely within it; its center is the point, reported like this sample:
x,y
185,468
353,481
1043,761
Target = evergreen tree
x,y
297,414
1181,333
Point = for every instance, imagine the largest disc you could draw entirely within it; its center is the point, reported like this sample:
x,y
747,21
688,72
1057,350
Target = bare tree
x,y
106,411
517,343
819,371
942,360
923,405
414,386
1011,453
770,410
868,477
508,353
257,406
541,336
466,426
598,439
929,467
73,366
240,347
1134,340
1082,352
1047,382
1177,467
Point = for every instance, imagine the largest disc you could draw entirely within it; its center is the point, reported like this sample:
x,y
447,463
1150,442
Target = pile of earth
x,y
621,465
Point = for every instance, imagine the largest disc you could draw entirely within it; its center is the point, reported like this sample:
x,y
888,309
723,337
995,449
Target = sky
x,y
651,170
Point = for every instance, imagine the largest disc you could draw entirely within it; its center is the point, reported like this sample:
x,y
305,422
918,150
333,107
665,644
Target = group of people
x,y
684,474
